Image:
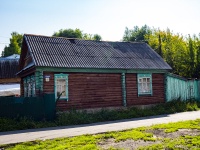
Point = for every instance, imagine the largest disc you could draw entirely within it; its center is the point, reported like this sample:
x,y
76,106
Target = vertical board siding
x,y
132,90
89,90
37,108
182,88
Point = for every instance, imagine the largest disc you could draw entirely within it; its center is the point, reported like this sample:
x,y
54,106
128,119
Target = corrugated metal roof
x,y
8,68
76,53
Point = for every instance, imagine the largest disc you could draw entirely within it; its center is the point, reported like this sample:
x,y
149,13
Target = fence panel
x,y
178,87
37,108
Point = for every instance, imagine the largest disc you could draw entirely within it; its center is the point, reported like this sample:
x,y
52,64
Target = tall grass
x,y
74,117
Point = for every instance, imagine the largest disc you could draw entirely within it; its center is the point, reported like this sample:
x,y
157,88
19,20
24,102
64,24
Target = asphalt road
x,y
68,131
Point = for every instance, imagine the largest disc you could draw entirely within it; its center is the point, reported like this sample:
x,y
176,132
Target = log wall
x,y
132,91
89,90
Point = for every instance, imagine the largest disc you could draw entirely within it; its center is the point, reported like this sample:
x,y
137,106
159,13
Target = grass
x,y
74,117
172,127
91,142
186,142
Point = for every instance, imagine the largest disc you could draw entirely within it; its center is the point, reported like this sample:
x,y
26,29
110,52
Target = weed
x,y
74,117
87,142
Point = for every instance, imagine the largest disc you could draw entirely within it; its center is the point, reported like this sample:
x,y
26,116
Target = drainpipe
x,y
123,81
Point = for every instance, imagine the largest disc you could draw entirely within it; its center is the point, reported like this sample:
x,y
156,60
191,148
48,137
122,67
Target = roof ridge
x,y
47,36
81,39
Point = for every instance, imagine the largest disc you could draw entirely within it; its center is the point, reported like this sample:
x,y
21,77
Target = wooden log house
x,y
92,74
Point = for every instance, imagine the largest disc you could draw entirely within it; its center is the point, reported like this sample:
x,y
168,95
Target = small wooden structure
x,y
8,69
9,82
92,74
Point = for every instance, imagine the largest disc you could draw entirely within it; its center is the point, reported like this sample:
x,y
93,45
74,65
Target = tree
x,y
160,45
69,33
136,34
191,56
197,47
171,47
15,45
77,33
97,37
181,53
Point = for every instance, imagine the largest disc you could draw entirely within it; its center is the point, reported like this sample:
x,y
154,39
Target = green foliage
x,y
23,123
97,37
134,135
15,45
136,34
77,33
85,142
185,142
181,53
172,127
74,117
69,33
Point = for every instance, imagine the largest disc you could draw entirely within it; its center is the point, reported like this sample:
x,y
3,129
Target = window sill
x,y
149,94
66,99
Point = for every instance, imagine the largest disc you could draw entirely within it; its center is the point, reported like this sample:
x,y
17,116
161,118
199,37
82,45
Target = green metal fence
x,y
37,108
178,87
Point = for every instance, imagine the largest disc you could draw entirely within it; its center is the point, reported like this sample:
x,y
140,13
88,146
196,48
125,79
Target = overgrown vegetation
x,y
182,53
96,141
74,117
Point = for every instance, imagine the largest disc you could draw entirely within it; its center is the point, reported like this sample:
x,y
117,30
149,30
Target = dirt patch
x,y
128,144
181,132
159,134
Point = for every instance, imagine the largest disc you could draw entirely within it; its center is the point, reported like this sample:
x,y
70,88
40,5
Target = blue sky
x,y
105,17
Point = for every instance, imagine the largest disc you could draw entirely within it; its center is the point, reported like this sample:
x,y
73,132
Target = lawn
x,y
179,135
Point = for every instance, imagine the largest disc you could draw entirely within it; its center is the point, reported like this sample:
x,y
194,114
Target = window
x,y
61,86
29,86
144,84
29,89
32,85
25,87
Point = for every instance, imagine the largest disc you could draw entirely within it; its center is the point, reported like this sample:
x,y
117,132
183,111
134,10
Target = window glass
x,y
144,84
33,85
29,86
25,89
61,88
29,89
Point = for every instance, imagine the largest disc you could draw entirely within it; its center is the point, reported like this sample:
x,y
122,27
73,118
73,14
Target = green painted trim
x,y
165,86
96,70
61,76
25,87
29,80
123,80
39,81
148,75
33,85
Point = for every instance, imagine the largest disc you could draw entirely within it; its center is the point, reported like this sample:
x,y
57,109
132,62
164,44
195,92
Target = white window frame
x,y
144,84
63,77
29,86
